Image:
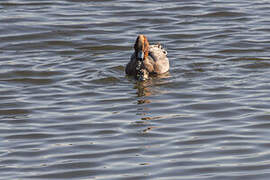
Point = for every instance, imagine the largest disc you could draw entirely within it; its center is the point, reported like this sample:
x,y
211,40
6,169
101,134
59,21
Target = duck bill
x,y
140,55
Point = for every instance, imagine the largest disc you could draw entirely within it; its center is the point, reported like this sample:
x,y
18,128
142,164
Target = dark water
x,y
67,110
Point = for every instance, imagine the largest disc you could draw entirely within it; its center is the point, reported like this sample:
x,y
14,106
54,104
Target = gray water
x,y
67,110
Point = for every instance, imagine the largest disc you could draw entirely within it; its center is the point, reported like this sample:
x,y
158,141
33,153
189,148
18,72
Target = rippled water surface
x,y
67,110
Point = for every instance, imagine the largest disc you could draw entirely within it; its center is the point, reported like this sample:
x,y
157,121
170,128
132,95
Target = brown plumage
x,y
147,59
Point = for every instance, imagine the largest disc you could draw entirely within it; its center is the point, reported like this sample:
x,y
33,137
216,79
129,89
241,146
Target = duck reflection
x,y
149,87
145,90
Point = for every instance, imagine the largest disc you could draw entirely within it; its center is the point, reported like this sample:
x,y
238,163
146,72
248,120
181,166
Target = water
x,y
67,110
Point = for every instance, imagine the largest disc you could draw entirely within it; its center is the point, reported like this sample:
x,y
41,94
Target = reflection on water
x,y
146,89
150,86
68,111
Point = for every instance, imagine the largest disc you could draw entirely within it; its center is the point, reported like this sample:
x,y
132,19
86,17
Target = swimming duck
x,y
147,60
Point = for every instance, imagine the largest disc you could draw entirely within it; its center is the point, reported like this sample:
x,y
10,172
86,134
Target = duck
x,y
147,60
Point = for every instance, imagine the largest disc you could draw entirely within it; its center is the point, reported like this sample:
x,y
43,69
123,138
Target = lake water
x,y
68,111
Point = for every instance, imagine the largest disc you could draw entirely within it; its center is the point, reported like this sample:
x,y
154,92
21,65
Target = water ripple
x,y
68,111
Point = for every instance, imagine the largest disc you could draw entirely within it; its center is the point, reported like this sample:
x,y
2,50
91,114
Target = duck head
x,y
141,47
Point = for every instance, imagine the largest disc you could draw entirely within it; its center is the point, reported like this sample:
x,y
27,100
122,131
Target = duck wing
x,y
158,58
